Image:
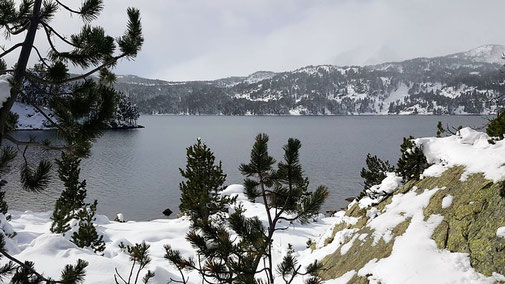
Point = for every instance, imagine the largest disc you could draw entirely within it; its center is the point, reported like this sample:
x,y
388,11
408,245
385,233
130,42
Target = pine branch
x,y
49,40
33,143
27,267
77,78
11,49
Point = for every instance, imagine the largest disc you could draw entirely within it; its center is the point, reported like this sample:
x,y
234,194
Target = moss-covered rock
x,y
470,222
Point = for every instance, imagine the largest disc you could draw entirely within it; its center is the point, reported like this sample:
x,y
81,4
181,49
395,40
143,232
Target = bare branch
x,y
51,29
42,59
80,77
49,40
68,8
11,49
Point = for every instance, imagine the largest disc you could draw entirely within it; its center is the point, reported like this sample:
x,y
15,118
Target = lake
x,y
136,172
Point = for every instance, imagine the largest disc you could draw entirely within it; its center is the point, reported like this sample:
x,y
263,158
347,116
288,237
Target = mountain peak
x,y
490,53
259,76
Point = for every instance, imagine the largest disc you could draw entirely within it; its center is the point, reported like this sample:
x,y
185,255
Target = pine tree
x,y
496,126
223,259
139,255
87,236
82,106
204,181
413,162
376,171
72,197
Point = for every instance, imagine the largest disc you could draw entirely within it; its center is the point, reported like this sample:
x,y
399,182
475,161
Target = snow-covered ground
x,y
29,117
51,252
415,257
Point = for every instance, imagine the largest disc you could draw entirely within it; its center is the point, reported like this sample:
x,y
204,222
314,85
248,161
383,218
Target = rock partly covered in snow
x,y
468,148
377,192
447,227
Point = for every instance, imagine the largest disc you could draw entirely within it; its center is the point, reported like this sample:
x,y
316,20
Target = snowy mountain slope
x,y
492,53
462,83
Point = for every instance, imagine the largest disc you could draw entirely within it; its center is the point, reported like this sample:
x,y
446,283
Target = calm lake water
x,y
135,172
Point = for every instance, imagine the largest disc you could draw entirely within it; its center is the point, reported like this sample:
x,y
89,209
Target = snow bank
x,y
468,148
423,262
5,88
51,252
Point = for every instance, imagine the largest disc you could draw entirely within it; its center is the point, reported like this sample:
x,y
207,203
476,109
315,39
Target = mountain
x,y
463,83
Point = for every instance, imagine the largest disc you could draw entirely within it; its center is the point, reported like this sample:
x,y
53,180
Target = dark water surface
x,y
136,171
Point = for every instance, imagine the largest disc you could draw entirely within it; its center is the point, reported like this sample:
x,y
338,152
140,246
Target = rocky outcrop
x,y
469,212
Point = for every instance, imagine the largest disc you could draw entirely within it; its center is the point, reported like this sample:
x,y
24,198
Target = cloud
x,y
201,39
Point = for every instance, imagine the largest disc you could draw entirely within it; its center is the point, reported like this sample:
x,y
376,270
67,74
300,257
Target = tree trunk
x,y
19,72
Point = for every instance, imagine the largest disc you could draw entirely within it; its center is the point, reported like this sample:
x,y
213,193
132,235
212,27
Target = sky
x,y
210,39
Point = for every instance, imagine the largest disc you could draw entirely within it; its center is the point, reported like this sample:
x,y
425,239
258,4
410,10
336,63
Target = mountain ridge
x,y
468,79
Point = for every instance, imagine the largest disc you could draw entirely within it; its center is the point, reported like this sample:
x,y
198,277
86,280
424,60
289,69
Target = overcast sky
x,y
209,39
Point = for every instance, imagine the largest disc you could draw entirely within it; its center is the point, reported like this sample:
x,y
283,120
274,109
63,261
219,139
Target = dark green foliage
x,y
289,188
26,274
72,274
204,181
496,126
375,172
90,9
83,116
3,65
413,162
289,269
3,205
440,129
12,121
132,40
35,180
87,236
72,197
139,255
7,154
260,166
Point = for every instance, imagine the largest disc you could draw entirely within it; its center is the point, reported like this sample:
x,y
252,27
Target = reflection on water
x,y
136,171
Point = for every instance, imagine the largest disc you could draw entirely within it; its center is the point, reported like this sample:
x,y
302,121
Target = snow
x,y
299,110
51,252
435,170
5,88
344,279
29,117
387,186
417,259
447,201
402,207
120,217
469,148
500,233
